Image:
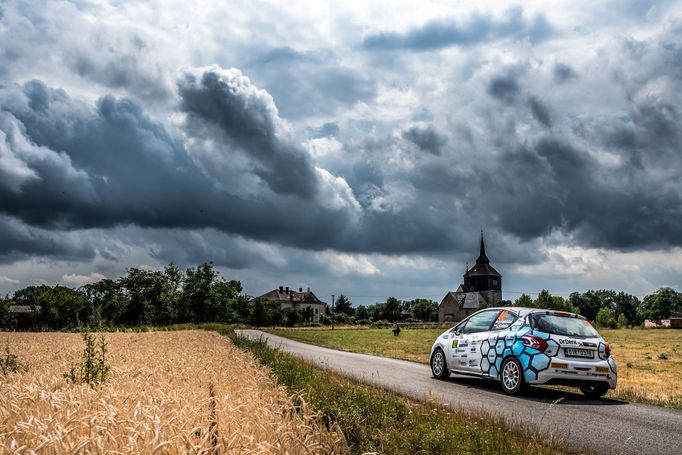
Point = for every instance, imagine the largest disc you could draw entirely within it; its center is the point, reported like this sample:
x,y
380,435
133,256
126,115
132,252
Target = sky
x,y
349,147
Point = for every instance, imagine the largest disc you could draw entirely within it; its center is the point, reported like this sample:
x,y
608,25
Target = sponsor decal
x,y
602,370
454,344
473,348
567,341
473,363
559,365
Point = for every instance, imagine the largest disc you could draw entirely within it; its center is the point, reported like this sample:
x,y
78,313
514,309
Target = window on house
x,y
316,310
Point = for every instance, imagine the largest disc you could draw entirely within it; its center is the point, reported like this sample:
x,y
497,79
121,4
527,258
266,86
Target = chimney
x,y
300,289
287,289
281,289
308,289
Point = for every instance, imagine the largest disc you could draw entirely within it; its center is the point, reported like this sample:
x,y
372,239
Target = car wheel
x,y
511,376
439,368
594,390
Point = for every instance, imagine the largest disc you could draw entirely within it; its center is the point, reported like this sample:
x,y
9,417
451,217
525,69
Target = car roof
x,y
522,311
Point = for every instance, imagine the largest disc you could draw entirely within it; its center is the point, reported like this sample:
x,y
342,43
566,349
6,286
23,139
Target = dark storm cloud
x,y
504,88
18,241
248,118
540,111
309,83
426,138
563,73
115,166
478,28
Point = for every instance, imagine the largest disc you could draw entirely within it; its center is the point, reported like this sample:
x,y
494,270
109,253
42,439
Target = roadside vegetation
x,y
649,360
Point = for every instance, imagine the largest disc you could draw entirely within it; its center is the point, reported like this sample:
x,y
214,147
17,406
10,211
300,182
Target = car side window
x,y
480,322
504,320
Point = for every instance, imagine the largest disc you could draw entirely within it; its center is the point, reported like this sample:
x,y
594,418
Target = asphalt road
x,y
592,426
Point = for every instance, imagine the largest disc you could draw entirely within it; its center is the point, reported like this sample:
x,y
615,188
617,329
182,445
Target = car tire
x,y
439,367
595,390
511,376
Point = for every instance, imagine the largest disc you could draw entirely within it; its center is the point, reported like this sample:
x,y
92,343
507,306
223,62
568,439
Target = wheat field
x,y
167,392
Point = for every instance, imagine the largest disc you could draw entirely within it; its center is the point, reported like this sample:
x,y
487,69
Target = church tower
x,y
483,277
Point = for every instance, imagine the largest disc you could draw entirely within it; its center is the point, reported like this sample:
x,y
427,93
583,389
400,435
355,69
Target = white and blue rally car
x,y
523,346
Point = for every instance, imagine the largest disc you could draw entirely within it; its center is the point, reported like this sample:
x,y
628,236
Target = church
x,y
482,287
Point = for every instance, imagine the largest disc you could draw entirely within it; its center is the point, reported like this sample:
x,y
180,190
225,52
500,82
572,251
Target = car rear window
x,y
561,325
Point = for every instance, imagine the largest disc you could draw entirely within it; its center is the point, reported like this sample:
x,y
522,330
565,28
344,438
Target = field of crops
x,y
167,392
649,360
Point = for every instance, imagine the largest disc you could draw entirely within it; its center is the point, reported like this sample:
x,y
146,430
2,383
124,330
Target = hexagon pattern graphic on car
x,y
496,348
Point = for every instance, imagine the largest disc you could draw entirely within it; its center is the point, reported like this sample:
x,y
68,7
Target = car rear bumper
x,y
576,373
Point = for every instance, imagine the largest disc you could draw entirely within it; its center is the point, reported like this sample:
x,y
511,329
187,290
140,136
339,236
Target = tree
x,y
524,300
547,300
606,319
343,305
361,313
629,307
390,310
424,310
662,304
56,307
107,300
6,318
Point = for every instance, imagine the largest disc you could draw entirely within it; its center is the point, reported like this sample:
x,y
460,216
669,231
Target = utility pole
x,y
332,311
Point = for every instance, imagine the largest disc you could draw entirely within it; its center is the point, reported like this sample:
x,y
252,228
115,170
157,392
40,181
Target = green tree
x,y
390,310
361,313
547,300
629,307
56,307
424,310
606,319
524,300
343,305
6,318
662,304
107,300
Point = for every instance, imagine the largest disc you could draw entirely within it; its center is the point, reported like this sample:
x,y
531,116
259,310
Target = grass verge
x,y
375,420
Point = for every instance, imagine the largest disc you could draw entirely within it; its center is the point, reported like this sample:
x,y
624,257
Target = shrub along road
x,y
595,426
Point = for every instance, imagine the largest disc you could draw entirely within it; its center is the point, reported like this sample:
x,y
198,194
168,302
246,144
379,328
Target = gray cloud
x,y
426,138
563,73
477,29
248,118
540,111
312,83
504,88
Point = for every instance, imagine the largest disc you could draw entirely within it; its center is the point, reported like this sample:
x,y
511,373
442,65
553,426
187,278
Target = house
x,y
482,287
288,298
23,316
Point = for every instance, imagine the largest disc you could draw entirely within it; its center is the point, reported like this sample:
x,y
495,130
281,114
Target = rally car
x,y
523,346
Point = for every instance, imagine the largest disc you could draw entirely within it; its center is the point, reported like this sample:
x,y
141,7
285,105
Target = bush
x,y
94,369
622,321
9,363
606,319
380,324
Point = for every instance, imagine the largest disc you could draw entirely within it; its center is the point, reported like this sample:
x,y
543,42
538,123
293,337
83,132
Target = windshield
x,y
560,325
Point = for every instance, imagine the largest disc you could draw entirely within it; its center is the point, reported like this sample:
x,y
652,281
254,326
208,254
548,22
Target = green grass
x,y
412,344
375,420
649,360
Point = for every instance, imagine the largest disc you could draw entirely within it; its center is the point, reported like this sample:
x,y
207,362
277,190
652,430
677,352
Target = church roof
x,y
482,267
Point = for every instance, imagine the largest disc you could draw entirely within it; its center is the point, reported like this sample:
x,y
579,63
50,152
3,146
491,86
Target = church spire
x,y
482,258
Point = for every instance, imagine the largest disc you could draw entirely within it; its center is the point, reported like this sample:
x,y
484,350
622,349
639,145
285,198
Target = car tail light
x,y
535,342
607,350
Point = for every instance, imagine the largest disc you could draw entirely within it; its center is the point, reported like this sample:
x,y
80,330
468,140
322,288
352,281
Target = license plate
x,y
580,353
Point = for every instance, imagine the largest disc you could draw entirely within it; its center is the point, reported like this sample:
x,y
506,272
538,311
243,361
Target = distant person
x,y
396,330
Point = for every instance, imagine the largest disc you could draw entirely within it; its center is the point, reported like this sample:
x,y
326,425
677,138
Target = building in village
x,y
482,287
289,298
